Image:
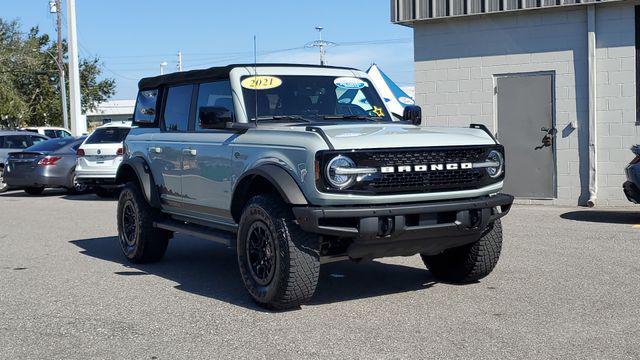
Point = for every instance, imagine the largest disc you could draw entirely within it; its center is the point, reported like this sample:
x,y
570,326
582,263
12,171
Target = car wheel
x,y
77,187
3,185
469,263
34,190
139,240
279,263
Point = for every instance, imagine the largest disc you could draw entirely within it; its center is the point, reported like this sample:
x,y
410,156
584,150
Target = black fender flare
x,y
278,177
137,167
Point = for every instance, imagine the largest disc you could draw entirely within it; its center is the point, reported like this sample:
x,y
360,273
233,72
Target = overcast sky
x,y
132,37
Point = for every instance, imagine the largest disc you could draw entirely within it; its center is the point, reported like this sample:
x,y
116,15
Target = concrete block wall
x,y
457,61
616,98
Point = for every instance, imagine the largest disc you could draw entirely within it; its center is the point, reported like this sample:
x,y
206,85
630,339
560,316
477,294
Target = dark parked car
x,y
49,164
632,185
14,141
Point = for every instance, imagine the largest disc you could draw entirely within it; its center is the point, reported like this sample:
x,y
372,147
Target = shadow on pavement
x,y
207,269
22,194
603,216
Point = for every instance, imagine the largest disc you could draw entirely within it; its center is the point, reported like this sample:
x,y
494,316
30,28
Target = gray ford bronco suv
x,y
297,165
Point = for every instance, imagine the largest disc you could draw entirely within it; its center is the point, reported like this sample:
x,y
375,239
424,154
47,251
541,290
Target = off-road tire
x,y
297,256
34,190
143,243
469,263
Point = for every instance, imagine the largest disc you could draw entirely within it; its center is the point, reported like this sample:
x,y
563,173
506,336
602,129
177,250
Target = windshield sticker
x,y
378,111
261,82
407,101
350,83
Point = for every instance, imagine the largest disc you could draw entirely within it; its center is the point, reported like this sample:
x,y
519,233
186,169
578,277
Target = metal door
x,y
525,128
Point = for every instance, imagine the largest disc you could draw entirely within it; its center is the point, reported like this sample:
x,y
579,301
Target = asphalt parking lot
x,y
567,286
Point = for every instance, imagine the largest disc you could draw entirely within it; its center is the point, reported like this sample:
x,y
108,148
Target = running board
x,y
219,236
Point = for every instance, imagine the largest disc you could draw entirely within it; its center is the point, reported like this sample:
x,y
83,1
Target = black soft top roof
x,y
213,73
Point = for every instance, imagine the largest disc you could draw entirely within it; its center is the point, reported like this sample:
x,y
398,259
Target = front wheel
x,y
77,187
279,263
469,263
139,240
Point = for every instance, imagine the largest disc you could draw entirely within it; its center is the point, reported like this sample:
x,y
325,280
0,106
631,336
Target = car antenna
x,y
255,76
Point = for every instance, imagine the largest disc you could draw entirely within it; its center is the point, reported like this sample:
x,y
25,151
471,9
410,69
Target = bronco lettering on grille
x,y
423,168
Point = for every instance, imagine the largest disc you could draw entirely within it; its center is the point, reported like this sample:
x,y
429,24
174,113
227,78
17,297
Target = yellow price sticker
x,y
261,82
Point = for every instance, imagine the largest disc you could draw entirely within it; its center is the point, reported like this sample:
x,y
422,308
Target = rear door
x,y
170,142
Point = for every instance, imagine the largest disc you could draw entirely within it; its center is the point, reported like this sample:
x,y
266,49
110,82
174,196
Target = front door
x,y
525,128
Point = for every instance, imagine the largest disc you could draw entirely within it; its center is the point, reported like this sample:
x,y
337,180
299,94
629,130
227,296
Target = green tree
x,y
29,80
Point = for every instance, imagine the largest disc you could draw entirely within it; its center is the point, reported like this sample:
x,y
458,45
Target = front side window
x,y
176,111
146,103
314,98
215,94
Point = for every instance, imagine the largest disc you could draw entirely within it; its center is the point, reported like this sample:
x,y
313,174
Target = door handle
x,y
190,152
155,150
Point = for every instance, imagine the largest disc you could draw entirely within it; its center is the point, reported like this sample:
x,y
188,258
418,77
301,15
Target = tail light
x,y
120,151
49,160
80,152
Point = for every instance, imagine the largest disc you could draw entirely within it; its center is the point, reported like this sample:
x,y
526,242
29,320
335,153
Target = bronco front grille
x,y
415,182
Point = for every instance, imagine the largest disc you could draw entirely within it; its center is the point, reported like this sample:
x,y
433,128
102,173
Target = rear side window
x,y
51,133
16,142
37,139
110,135
176,109
146,106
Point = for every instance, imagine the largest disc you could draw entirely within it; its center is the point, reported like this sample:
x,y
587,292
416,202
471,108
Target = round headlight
x,y
340,181
497,159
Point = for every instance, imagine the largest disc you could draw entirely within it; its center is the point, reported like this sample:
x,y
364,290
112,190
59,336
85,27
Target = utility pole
x,y
179,60
78,124
162,65
56,6
321,44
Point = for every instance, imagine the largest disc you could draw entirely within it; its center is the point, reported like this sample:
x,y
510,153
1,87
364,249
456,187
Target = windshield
x,y
313,98
108,135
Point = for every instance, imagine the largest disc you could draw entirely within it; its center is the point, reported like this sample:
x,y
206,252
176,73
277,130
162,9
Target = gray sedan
x,y
49,164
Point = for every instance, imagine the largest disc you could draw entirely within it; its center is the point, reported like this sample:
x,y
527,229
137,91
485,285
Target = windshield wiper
x,y
282,117
353,117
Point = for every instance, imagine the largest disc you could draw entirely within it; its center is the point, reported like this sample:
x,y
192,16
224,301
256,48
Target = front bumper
x,y
395,230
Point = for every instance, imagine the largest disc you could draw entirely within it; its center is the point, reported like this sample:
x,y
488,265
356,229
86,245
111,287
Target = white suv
x,y
49,131
99,157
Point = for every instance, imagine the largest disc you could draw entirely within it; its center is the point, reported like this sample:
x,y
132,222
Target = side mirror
x,y
413,114
212,117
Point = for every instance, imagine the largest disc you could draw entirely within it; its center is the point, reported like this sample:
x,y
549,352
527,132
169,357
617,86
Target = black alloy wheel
x,y
261,253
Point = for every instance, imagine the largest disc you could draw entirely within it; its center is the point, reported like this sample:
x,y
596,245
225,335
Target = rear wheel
x,y
139,240
279,263
468,263
34,190
77,187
